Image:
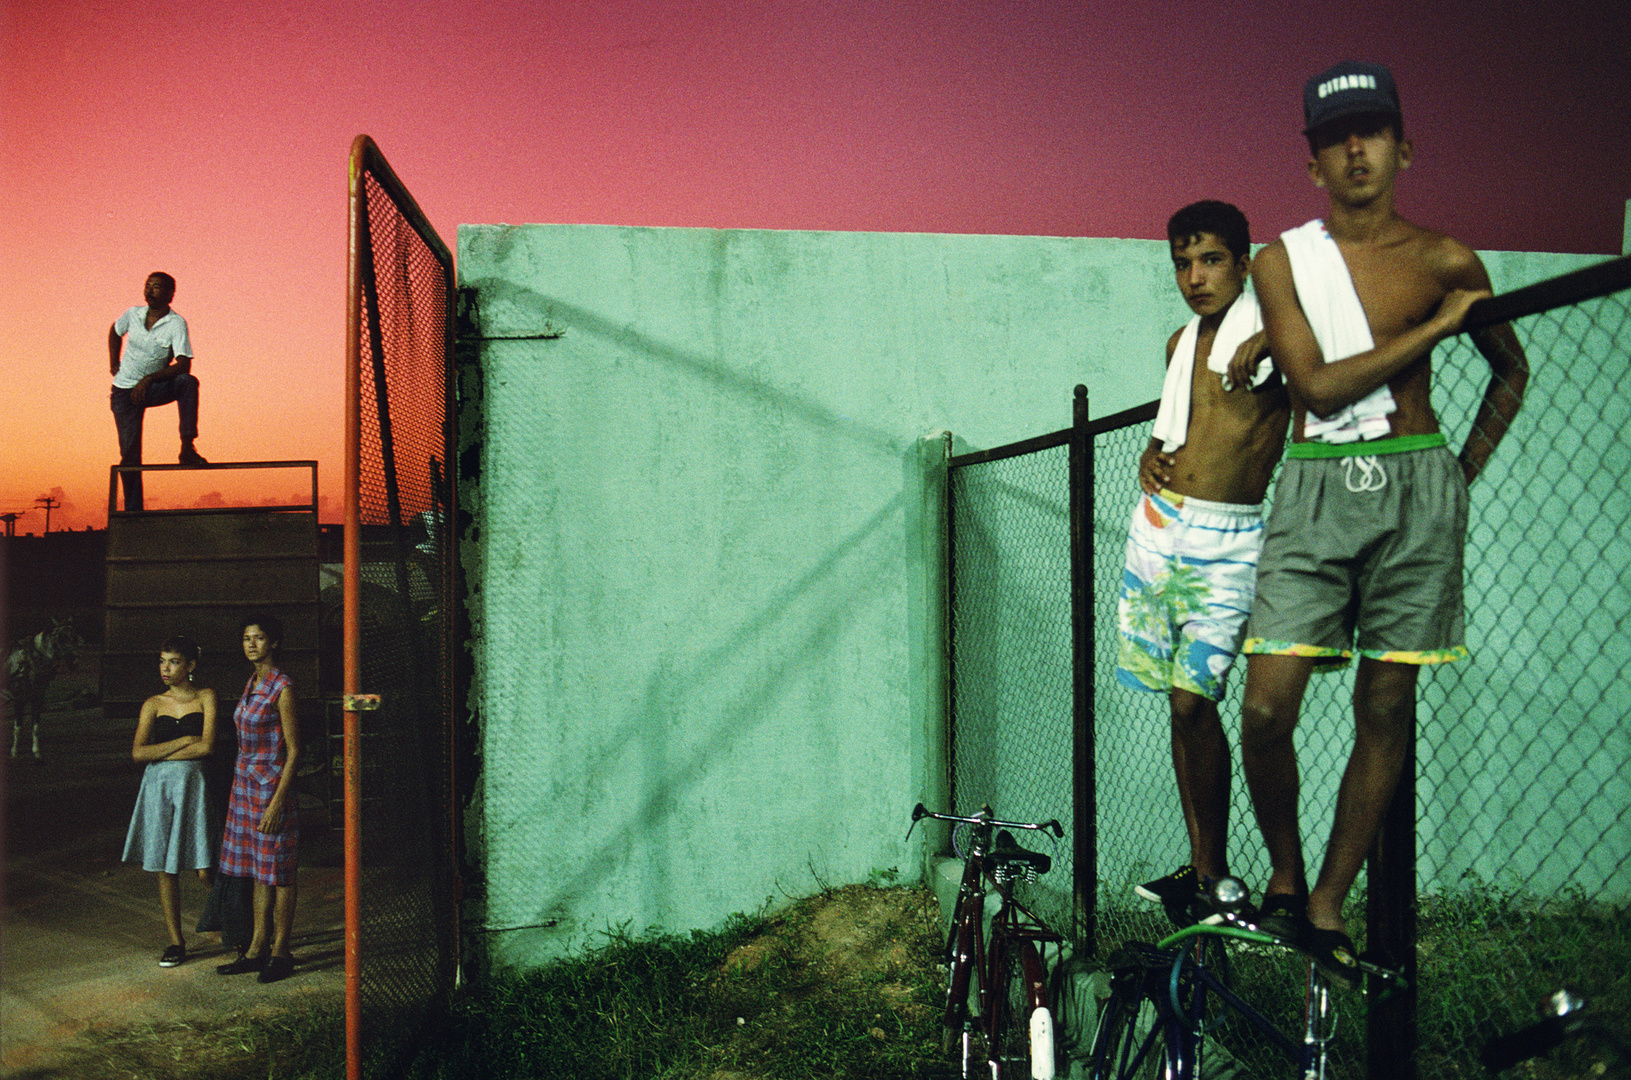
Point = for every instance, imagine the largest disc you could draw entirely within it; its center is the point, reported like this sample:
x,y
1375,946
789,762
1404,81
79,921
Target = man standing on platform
x,y
155,369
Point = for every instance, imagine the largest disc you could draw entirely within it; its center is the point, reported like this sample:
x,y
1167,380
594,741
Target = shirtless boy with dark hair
x,y
1364,547
1195,536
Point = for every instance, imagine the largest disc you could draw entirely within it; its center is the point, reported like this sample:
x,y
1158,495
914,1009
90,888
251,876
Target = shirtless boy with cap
x,y
1363,553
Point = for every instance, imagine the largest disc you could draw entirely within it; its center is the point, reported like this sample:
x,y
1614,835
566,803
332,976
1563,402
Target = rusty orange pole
x,y
353,619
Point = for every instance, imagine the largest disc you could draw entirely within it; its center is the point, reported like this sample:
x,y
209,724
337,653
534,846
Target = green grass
x,y
1488,955
789,996
303,1044
847,984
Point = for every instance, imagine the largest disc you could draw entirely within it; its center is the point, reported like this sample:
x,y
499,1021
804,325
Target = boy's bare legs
x,y
1384,705
1268,753
1200,760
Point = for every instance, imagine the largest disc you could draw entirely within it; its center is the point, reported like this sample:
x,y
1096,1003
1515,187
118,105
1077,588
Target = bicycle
x,y
1157,1022
997,998
1565,1017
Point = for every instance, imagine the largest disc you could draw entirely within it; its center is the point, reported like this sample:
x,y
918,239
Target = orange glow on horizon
x,y
223,160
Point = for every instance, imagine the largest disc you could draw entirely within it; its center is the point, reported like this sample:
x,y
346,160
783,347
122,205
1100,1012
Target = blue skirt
x,y
167,832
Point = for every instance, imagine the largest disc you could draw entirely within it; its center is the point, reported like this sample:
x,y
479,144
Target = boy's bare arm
x,y
1509,378
1324,388
1509,367
1154,464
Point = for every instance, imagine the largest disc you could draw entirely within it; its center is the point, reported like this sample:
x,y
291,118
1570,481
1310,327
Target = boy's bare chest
x,y
1397,288
1211,406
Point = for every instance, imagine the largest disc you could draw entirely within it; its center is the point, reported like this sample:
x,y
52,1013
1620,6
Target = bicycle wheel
x,y
1130,1042
1021,1029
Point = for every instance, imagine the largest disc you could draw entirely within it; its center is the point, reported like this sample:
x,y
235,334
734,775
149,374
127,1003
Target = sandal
x,y
277,968
1333,954
243,965
1285,915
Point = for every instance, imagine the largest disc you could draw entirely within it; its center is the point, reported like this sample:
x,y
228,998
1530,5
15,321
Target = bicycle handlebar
x,y
984,817
1221,930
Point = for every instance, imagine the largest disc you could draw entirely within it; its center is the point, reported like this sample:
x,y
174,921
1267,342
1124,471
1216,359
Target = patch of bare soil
x,y
856,965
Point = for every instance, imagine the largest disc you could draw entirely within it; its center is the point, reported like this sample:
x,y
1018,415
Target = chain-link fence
x,y
400,610
1011,659
1523,803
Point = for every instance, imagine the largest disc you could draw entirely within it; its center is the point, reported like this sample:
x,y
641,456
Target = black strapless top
x,y
166,728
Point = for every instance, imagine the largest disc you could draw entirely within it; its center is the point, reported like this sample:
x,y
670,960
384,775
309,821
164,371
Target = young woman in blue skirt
x,y
175,733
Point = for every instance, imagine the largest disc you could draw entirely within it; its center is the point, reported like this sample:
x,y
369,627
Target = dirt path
x,y
82,931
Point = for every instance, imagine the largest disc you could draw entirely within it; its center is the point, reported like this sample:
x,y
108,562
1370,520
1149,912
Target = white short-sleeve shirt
x,y
147,351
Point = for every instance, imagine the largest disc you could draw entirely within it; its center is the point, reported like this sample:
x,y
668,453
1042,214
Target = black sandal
x,y
277,967
1285,915
243,965
1333,954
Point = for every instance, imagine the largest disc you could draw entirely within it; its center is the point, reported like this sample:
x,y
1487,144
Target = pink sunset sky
x,y
210,139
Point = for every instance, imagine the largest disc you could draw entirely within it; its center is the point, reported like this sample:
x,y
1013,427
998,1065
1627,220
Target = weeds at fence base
x,y
848,983
843,984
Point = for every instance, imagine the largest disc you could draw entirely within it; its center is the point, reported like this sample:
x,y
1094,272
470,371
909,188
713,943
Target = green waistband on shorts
x,y
1398,445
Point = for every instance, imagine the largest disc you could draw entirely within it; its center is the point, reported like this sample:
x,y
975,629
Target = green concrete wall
x,y
706,554
704,665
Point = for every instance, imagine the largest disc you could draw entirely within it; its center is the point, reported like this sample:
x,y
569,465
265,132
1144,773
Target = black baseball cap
x,y
1349,89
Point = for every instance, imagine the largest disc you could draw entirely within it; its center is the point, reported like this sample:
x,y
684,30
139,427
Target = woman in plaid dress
x,y
262,834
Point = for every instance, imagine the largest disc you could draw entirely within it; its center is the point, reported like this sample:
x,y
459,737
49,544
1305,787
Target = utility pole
x,y
48,502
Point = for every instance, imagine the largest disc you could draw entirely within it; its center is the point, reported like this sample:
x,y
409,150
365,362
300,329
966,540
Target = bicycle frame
x,y
1175,978
1015,946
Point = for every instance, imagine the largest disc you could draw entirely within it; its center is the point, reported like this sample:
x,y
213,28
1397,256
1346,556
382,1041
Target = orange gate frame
x,y
365,160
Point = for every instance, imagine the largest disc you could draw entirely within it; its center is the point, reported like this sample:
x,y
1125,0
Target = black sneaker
x,y
174,956
1178,887
1182,894
277,968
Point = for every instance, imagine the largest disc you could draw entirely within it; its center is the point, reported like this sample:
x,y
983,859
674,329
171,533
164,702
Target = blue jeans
x,y
127,417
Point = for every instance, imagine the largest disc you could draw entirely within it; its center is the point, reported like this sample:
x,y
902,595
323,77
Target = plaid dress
x,y
245,851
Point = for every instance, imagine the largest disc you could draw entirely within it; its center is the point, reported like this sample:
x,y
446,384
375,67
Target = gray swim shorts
x,y
1363,554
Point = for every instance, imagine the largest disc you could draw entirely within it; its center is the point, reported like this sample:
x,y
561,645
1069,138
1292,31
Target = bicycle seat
x,y
1006,854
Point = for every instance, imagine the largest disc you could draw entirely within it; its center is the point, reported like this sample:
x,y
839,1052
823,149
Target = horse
x,y
30,667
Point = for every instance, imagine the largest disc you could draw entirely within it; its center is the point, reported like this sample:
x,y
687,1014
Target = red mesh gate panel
x,y
401,919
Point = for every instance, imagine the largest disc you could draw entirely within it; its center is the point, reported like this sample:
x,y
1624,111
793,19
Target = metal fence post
x,y
1390,916
1085,802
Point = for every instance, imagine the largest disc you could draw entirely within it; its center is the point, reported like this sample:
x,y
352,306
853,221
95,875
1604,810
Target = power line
x,y
48,501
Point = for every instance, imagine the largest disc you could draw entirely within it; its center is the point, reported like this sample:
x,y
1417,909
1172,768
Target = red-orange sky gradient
x,y
209,139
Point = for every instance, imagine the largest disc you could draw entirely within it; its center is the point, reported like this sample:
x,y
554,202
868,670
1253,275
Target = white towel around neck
x,y
1241,321
1326,292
